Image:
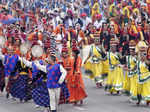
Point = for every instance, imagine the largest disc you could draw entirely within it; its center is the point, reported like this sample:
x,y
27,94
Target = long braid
x,y
75,63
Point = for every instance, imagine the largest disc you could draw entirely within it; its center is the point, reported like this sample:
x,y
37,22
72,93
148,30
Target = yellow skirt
x,y
115,79
126,83
135,88
110,77
95,68
105,67
146,91
118,79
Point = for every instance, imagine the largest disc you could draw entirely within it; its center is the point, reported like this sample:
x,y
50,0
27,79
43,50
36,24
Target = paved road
x,y
97,101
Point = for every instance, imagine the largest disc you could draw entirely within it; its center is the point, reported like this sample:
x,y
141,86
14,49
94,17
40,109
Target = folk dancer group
x,y
127,74
49,82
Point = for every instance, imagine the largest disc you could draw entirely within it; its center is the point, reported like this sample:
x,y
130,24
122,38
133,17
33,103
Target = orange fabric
x,y
148,1
17,51
74,80
68,63
44,56
40,36
133,1
7,43
30,37
81,33
1,31
30,73
28,55
148,8
57,30
4,50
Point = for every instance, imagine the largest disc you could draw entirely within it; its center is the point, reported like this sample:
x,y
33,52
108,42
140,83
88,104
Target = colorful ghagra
x,y
40,93
76,87
21,89
131,79
94,64
68,64
115,75
143,81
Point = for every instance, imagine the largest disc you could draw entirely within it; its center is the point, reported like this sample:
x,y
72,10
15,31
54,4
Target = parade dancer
x,y
55,77
35,37
94,62
114,82
130,81
143,91
76,87
40,94
67,62
40,91
20,89
10,62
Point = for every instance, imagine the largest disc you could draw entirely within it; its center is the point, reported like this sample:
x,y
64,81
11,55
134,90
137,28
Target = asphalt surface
x,y
98,101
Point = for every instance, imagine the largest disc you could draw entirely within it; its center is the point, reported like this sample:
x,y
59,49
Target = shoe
x,y
7,95
75,103
98,85
111,93
37,106
147,103
81,102
138,103
106,87
118,92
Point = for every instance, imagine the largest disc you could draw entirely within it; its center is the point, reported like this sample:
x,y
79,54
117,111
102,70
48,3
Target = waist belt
x,y
23,73
45,80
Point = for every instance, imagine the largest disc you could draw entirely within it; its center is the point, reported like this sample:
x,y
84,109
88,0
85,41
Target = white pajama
x,y
54,95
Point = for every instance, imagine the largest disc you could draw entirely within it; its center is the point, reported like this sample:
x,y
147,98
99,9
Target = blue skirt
x,y
64,94
20,89
40,95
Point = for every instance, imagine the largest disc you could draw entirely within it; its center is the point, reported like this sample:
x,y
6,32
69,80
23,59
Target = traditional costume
x,y
143,91
130,82
55,78
40,92
95,9
21,89
76,87
115,75
94,62
67,63
10,62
